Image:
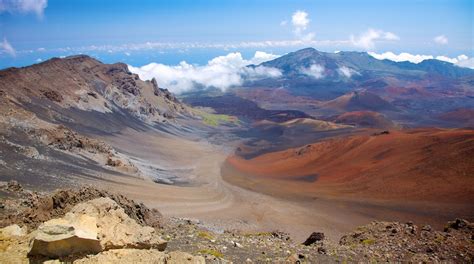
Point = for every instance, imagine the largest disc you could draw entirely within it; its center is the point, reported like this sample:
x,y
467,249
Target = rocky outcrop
x,y
32,209
91,227
85,83
116,229
73,234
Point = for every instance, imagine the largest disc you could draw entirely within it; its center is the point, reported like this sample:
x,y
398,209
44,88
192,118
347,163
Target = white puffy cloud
x,y
300,21
261,56
221,72
447,59
6,47
346,71
441,39
368,39
24,6
315,70
461,60
468,63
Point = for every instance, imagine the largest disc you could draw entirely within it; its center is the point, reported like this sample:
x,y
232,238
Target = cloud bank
x,y
24,6
6,47
461,60
221,72
368,39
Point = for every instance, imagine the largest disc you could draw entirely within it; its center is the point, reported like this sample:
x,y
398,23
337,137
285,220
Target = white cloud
x,y
221,72
316,71
261,56
6,47
461,60
300,21
400,57
368,39
24,6
468,63
447,59
283,23
346,71
441,39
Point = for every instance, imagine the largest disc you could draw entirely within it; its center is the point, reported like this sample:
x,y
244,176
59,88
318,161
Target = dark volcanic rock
x,y
313,238
53,96
14,186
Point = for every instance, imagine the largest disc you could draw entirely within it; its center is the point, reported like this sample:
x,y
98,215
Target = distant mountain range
x,y
323,75
345,64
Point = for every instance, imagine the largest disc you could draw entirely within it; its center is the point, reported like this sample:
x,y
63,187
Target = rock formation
x,y
91,227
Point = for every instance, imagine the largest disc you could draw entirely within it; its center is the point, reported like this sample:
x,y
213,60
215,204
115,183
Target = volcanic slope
x,y
433,165
365,119
53,116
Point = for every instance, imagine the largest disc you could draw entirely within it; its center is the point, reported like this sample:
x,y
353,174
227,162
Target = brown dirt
x,y
365,119
414,165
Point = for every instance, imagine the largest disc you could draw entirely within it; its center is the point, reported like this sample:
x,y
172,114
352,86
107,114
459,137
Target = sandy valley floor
x,y
220,205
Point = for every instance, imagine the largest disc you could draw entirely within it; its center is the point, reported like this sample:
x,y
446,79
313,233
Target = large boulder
x,y
91,227
69,235
116,228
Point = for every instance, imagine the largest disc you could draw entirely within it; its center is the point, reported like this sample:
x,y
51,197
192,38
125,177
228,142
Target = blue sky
x,y
140,32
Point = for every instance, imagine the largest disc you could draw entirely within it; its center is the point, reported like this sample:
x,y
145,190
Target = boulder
x,y
91,227
73,234
116,229
313,238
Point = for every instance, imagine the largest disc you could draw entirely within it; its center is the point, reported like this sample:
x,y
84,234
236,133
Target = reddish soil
x,y
432,165
357,101
365,119
462,116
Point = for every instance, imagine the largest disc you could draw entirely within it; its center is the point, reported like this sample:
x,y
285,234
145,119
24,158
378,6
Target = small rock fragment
x,y
313,238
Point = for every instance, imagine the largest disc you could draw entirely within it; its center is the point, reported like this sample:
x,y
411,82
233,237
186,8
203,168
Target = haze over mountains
x,y
324,84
